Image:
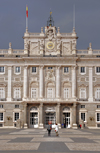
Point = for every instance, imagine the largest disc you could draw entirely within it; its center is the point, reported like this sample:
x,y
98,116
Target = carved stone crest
x,y
50,75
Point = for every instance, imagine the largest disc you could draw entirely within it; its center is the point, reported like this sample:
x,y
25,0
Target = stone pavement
x,y
38,141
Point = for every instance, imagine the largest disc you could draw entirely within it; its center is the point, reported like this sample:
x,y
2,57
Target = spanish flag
x,y
26,11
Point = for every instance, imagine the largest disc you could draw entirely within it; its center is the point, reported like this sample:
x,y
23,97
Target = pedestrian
x,y
56,129
49,129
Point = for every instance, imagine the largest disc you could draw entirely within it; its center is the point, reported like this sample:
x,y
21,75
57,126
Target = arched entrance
x,y
66,117
33,117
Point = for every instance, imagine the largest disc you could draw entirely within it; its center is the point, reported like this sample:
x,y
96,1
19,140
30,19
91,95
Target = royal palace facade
x,y
49,80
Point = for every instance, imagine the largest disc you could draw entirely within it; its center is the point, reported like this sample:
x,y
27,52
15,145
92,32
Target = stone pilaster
x,y
58,115
58,82
74,116
9,97
41,81
90,84
41,116
25,82
74,82
25,115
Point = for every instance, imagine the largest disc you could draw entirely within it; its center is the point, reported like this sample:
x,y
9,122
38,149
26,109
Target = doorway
x,y
34,119
66,120
50,117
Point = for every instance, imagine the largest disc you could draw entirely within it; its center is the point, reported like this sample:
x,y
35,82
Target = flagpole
x,y
26,18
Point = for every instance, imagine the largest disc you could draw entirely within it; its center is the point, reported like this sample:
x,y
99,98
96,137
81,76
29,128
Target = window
x,y
49,93
33,93
2,93
1,116
97,93
83,116
16,116
49,67
17,93
82,106
1,106
17,69
1,55
82,69
98,116
1,69
97,69
33,69
16,106
66,93
66,69
82,93
17,55
98,106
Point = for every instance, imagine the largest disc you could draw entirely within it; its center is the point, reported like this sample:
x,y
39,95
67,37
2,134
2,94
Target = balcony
x,y
2,99
17,99
97,99
82,99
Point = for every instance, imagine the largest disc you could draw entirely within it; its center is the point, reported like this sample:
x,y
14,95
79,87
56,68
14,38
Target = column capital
x,y
74,104
26,66
74,67
41,66
25,104
58,67
41,105
58,104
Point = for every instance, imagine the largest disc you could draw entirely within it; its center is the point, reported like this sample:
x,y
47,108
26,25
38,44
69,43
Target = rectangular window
x,y
98,116
1,106
66,69
33,69
98,106
97,93
1,69
16,106
1,116
82,69
33,93
16,116
49,67
2,93
83,116
49,93
66,93
82,106
97,69
17,93
17,69
82,93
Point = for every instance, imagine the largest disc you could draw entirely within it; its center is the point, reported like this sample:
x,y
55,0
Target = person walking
x,y
49,129
56,129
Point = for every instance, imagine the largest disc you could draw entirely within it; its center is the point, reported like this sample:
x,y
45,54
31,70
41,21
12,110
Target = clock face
x,y
50,45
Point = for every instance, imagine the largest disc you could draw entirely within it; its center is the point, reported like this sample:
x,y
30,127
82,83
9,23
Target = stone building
x,y
49,80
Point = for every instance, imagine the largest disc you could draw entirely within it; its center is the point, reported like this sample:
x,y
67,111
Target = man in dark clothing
x,y
49,129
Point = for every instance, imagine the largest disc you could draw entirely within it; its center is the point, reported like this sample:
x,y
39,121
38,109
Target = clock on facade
x,y
50,45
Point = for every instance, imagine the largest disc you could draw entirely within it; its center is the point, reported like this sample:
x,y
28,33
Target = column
x,y
58,82
90,84
25,115
58,115
74,82
9,97
41,115
41,81
25,82
74,116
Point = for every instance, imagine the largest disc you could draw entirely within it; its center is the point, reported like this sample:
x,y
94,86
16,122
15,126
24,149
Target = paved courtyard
x,y
37,141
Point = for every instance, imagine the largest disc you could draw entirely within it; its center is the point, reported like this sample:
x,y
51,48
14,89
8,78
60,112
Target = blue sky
x,y
13,20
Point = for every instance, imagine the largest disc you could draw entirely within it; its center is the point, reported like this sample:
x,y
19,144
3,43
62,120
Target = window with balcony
x,y
83,116
1,116
16,116
17,93
33,69
66,69
66,93
33,93
16,106
82,106
1,106
1,69
98,117
17,69
97,94
2,93
50,93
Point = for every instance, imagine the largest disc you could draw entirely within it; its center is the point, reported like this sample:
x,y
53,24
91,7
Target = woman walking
x,y
56,129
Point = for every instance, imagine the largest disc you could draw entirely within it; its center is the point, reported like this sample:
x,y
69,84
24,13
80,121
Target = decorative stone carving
x,y
26,45
50,75
48,109
41,45
33,109
58,45
65,109
50,33
34,48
